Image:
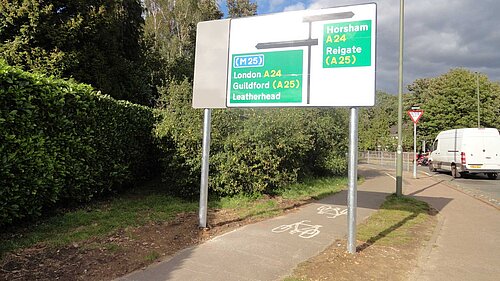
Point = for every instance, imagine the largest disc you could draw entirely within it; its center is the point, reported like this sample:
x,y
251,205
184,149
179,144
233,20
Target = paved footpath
x,y
465,246
271,249
466,243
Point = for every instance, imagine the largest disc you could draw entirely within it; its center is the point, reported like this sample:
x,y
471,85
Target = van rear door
x,y
482,152
491,152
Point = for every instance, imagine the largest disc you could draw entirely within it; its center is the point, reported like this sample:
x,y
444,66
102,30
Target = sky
x,y
438,35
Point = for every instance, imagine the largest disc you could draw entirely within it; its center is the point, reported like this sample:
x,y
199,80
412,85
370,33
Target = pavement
x,y
465,245
466,242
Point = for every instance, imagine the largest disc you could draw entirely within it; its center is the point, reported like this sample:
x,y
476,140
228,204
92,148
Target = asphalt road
x,y
477,185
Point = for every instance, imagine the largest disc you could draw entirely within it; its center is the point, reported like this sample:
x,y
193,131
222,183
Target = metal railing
x,y
386,158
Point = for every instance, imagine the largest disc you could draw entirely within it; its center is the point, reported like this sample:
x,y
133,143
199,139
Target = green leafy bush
x,y
252,150
62,141
179,137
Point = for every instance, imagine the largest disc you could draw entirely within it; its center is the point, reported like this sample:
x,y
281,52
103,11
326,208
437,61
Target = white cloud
x,y
295,7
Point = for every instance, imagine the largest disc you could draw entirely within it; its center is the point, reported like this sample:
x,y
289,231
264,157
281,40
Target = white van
x,y
467,151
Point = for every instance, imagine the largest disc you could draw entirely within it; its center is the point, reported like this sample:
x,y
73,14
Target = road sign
x,y
266,77
415,115
303,58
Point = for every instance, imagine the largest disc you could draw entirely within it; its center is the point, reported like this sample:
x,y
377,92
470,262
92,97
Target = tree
x,y
375,123
450,101
98,42
241,8
172,26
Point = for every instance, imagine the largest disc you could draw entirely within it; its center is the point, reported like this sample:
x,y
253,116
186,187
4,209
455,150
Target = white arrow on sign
x,y
415,115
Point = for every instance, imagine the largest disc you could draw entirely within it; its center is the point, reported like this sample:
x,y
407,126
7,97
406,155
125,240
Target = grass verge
x,y
260,206
395,222
147,204
96,220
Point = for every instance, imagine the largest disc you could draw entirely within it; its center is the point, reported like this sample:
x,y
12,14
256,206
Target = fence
x,y
386,158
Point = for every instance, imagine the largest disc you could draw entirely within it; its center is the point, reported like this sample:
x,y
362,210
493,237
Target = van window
x,y
435,145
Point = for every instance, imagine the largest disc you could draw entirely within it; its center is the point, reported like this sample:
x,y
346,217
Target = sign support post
x,y
353,181
204,168
415,115
415,150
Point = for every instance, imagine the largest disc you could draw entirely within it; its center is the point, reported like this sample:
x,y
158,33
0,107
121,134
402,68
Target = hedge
x,y
64,142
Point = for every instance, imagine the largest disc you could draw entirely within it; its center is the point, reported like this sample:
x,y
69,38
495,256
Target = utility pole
x,y
399,160
477,91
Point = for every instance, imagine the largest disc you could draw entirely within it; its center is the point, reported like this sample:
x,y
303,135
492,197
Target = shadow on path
x,y
425,188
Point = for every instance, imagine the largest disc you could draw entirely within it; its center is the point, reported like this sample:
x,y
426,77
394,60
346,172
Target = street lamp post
x,y
477,91
399,160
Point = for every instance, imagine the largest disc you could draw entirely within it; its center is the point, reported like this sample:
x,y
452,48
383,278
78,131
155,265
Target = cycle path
x,y
256,252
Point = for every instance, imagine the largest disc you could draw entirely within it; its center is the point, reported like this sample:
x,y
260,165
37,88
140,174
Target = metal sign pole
x,y
415,150
204,168
353,177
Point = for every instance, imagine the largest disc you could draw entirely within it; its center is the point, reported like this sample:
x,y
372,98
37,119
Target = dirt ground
x,y
134,248
123,252
371,262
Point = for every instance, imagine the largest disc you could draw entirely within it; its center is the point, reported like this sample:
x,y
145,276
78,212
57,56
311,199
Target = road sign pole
x,y
353,180
415,115
415,150
204,168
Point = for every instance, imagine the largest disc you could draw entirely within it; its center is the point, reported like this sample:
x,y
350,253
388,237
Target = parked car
x,y
467,151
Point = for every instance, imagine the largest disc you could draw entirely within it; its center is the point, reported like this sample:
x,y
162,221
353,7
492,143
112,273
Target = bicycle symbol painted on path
x,y
304,229
333,212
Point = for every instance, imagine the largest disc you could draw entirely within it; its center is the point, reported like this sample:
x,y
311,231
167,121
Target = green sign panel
x,y
266,77
347,44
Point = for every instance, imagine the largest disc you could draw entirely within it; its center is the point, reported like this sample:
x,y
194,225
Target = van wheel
x,y
431,167
492,176
454,172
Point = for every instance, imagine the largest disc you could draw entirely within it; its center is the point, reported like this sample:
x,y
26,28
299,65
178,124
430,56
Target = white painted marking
x,y
390,175
306,230
332,211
